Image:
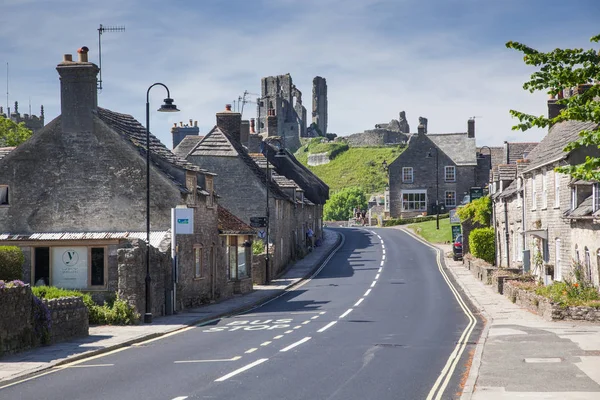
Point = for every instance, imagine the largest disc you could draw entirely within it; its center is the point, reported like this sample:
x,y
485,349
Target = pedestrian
x,y
310,234
363,215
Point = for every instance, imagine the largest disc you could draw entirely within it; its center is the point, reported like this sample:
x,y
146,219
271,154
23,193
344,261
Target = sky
x,y
445,60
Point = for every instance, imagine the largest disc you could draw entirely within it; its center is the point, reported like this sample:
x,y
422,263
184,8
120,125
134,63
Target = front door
x,y
42,266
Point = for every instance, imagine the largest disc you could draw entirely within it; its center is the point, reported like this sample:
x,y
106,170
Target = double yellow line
x,y
441,382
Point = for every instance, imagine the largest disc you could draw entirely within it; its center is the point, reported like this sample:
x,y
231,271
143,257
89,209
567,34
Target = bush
x,y
481,244
570,294
258,247
478,211
113,312
404,221
11,263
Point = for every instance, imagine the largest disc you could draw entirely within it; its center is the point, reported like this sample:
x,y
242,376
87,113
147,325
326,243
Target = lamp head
x,y
168,106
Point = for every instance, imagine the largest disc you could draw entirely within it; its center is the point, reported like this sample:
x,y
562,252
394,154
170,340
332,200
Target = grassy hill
x,y
352,166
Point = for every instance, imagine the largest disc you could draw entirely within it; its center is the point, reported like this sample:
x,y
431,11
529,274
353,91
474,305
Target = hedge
x,y
404,221
481,244
11,263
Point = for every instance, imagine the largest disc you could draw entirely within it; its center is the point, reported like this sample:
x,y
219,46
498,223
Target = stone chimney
x,y
178,133
471,128
245,132
230,122
506,152
78,92
252,125
271,123
554,108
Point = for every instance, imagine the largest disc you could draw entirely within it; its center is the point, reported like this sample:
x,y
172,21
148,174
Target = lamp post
x,y
437,187
168,106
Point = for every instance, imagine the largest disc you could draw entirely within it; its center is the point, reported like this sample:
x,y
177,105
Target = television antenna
x,y
101,30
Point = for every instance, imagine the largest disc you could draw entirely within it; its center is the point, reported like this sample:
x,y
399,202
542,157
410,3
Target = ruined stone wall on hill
x,y
376,137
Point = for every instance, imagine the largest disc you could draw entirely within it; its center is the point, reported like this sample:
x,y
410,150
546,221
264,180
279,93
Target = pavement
x,y
103,339
522,356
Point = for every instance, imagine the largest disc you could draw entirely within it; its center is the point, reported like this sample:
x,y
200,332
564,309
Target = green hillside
x,y
352,166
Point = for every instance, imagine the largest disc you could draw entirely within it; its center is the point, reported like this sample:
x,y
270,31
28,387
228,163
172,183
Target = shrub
x,y
113,312
258,247
570,294
481,243
404,221
11,263
478,211
11,284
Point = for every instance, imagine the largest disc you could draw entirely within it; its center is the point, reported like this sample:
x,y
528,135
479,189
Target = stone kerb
x,y
69,318
547,309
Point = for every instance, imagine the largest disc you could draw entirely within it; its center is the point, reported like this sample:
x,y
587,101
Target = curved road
x,y
380,321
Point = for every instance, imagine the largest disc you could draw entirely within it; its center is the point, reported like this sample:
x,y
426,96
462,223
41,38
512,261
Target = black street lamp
x,y
437,187
168,106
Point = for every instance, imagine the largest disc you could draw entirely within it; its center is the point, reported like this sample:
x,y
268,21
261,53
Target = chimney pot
x,y
83,54
471,128
252,125
228,107
195,124
68,58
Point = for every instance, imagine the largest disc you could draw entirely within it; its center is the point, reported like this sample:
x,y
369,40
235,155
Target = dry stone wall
x,y
69,318
16,320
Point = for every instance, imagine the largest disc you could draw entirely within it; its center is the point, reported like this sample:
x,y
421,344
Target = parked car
x,y
457,248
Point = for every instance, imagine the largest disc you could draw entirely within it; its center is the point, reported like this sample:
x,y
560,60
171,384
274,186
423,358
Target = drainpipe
x,y
507,234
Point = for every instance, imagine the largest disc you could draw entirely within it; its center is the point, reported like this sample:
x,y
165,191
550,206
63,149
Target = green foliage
x,y
564,69
404,221
356,166
258,247
11,263
340,205
13,134
481,244
114,312
478,211
428,230
571,294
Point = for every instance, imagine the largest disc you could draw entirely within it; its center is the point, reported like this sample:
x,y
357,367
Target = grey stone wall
x,y
258,269
424,176
319,104
16,320
318,159
510,221
376,137
69,318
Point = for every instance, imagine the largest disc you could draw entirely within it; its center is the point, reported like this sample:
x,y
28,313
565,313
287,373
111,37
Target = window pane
x,y
233,262
97,266
198,261
241,254
3,195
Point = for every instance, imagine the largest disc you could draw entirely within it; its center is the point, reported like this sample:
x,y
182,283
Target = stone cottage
x,y
435,168
76,205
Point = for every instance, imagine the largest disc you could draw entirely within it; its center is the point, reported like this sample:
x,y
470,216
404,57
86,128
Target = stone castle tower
x,y
319,106
32,122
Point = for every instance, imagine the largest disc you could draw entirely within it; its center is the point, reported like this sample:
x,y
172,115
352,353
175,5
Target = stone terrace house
x,y
561,216
415,184
242,185
76,205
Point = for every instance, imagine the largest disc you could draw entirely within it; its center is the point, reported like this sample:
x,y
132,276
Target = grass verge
x,y
428,231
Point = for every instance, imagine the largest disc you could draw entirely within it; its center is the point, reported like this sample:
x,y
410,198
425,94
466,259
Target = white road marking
x,y
384,252
266,343
298,343
315,317
346,313
367,292
382,245
373,284
206,361
297,327
252,350
239,371
290,331
323,312
358,302
329,325
376,276
381,263
91,365
543,360
380,269
383,257
180,398
306,322
278,337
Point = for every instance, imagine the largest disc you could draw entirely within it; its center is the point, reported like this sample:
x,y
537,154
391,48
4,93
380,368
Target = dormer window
x,y
450,173
3,195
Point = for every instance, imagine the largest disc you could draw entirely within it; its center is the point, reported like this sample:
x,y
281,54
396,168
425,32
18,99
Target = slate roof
x,y
220,144
583,210
507,172
229,224
4,151
458,146
509,191
496,152
551,147
186,145
516,150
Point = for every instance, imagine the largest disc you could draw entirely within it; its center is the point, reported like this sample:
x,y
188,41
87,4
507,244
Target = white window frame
x,y
519,246
416,191
573,198
557,261
544,190
210,201
407,170
519,187
533,192
4,196
453,204
556,190
596,197
447,170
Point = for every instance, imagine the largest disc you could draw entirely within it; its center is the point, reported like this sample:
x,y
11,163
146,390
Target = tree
x,y
340,205
12,134
478,211
563,69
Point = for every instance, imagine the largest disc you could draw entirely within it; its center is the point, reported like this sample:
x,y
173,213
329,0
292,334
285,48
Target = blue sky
x,y
441,59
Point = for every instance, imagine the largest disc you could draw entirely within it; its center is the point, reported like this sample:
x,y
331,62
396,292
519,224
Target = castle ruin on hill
x,y
395,132
32,122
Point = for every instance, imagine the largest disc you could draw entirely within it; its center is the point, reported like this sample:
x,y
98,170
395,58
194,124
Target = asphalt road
x,y
380,321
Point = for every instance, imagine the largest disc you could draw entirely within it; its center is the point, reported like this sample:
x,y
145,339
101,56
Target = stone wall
x,y
376,137
69,318
318,159
258,269
16,320
547,309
